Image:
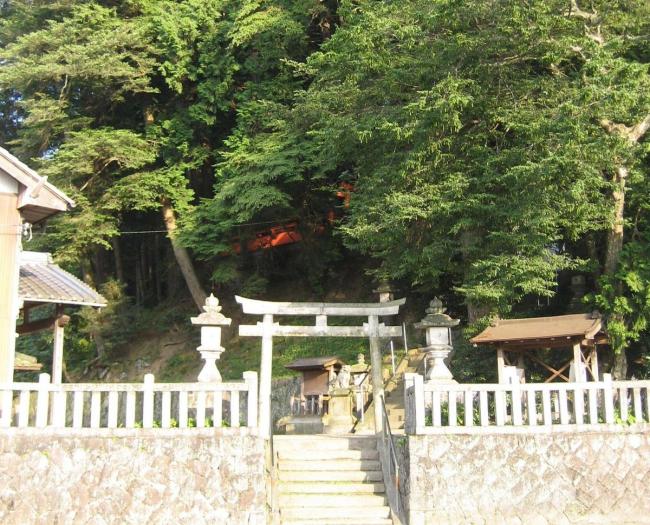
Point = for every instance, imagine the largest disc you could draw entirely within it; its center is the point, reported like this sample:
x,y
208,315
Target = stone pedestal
x,y
339,418
437,371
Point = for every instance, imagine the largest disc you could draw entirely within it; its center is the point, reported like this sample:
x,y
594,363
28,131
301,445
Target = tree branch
x,y
632,133
574,10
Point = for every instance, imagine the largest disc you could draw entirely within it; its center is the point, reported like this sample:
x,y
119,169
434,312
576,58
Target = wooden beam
x,y
36,326
555,373
257,330
253,306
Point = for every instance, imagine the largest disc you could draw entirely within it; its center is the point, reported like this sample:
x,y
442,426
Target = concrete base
x,y
302,424
340,419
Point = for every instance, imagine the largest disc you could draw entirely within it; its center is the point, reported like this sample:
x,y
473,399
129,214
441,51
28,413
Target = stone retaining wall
x,y
135,476
541,478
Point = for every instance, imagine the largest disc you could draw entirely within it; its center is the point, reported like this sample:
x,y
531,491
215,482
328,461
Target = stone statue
x,y
342,380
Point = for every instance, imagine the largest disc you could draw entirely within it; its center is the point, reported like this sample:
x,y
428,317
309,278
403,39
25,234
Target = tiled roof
x,y
311,363
42,281
536,328
26,363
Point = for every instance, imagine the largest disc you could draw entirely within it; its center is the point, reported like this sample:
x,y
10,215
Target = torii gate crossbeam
x,y
373,330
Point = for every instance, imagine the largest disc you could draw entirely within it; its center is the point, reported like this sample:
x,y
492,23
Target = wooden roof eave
x,y
35,192
532,344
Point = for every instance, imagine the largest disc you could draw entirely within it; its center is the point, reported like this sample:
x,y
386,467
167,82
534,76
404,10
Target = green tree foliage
x,y
493,147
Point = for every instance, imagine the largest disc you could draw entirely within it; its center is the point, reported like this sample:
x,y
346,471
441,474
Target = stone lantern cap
x,y
436,317
212,315
360,366
384,287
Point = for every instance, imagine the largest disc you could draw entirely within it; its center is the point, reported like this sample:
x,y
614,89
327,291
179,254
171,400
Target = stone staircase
x,y
394,394
330,480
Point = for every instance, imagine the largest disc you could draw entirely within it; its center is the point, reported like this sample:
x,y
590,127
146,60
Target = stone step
x,y
311,442
337,521
326,454
329,465
318,514
333,487
329,475
334,501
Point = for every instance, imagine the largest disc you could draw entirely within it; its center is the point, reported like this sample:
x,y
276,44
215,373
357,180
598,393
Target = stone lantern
x,y
211,321
385,292
437,326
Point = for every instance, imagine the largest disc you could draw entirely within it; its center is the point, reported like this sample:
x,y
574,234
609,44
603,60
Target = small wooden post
x,y
483,403
578,365
469,408
594,363
234,408
251,381
452,412
42,400
436,409
418,388
166,409
609,399
147,401
7,408
200,409
501,366
265,376
500,406
57,354
409,402
113,399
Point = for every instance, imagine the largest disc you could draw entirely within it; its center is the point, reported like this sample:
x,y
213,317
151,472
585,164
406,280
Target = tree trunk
x,y
615,234
613,249
182,257
117,255
156,262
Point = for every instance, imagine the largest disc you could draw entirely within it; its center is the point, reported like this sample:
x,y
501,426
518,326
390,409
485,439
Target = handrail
x,y
387,435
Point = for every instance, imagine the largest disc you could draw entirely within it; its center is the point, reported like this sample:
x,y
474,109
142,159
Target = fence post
x,y
42,400
609,398
418,391
147,401
7,408
251,382
409,405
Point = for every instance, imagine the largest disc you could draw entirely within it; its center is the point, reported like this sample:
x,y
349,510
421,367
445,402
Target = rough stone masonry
x,y
540,478
135,476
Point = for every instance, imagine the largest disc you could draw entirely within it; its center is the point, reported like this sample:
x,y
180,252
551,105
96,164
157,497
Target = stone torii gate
x,y
373,330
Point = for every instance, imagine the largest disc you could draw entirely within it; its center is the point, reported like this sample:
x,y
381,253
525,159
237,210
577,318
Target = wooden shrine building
x,y
44,283
316,375
516,340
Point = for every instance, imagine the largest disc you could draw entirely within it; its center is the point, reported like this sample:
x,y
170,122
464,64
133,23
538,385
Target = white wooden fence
x,y
476,408
129,405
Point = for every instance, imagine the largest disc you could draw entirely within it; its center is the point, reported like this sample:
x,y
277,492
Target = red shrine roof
x,y
549,331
